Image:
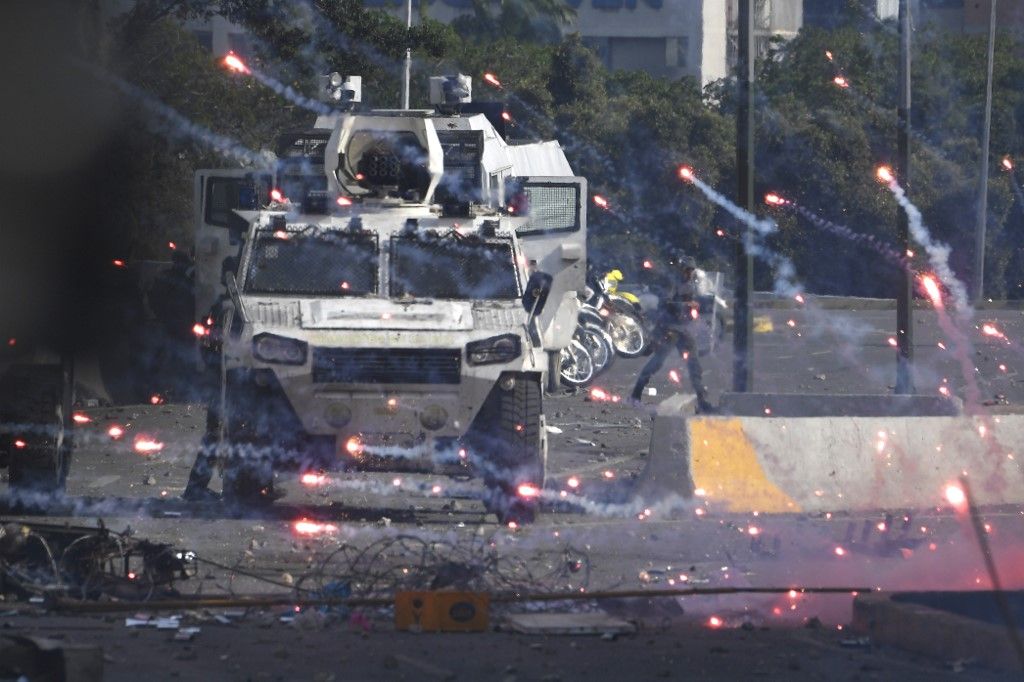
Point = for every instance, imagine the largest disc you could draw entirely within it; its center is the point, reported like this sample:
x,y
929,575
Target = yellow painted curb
x,y
763,324
725,465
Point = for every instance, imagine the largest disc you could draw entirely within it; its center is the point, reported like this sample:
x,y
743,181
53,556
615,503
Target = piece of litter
x,y
552,429
171,623
186,634
136,622
584,441
590,623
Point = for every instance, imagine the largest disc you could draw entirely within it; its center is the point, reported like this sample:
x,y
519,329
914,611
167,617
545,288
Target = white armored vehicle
x,y
404,311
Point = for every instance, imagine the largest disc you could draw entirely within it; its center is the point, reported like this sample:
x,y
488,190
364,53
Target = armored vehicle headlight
x,y
279,349
496,349
338,414
433,417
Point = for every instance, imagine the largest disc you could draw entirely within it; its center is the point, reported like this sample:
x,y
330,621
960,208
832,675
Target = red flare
x,y
354,446
773,199
199,330
884,174
991,330
118,263
714,622
600,201
172,246
312,479
674,376
344,202
528,490
931,287
840,551
1007,163
156,399
146,445
12,342
956,497
686,173
309,528
20,444
841,82
828,55
115,431
81,418
491,79
598,394
276,195
507,117
648,265
234,63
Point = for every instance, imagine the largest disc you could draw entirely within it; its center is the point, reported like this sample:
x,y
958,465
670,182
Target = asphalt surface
x,y
598,448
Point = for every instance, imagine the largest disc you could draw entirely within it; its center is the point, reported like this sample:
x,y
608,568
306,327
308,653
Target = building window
x,y
205,39
683,52
239,44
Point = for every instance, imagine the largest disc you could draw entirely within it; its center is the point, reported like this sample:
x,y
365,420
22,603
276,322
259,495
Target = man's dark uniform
x,y
675,328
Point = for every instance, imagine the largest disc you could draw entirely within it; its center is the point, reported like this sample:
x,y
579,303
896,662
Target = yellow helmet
x,y
614,276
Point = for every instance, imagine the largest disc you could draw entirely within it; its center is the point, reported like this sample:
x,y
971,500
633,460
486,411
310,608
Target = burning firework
x,y
773,199
931,287
686,173
313,479
146,445
841,82
600,202
492,80
1007,163
115,431
81,418
234,63
310,528
956,497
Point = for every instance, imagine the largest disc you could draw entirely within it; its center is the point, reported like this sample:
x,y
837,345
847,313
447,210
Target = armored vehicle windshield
x,y
452,267
313,263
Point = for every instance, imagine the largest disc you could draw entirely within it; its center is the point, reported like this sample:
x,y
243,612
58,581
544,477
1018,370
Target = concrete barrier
x,y
833,463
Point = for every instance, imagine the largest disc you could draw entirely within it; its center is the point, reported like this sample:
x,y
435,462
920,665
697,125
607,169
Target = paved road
x,y
602,445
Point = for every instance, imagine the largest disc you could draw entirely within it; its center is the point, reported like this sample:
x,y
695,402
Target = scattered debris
x,y
587,623
40,560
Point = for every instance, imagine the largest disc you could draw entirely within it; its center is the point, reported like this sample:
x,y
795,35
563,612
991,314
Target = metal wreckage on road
x,y
396,292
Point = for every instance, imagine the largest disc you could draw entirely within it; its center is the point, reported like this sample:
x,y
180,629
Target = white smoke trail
x,y
938,253
785,271
168,121
289,93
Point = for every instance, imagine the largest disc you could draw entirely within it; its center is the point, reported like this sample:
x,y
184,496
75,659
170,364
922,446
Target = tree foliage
x,y
628,132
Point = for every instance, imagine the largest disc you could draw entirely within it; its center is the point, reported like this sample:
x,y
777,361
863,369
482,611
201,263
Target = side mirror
x,y
536,294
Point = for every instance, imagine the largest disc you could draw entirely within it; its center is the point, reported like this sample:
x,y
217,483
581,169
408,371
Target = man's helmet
x,y
614,276
684,262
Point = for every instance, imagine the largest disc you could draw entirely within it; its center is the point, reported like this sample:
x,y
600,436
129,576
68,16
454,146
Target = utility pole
x,y
743,370
407,70
904,289
986,131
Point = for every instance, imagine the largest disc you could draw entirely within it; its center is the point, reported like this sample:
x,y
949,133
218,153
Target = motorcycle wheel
x,y
576,365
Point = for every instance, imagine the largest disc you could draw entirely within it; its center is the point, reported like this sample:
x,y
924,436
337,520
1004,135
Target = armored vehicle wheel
x,y
36,407
507,442
248,473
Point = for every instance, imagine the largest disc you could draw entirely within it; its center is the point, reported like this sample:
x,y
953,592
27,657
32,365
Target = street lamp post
x,y
986,132
743,371
904,288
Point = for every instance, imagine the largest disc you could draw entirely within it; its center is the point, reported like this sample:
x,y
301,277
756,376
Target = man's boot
x,y
704,406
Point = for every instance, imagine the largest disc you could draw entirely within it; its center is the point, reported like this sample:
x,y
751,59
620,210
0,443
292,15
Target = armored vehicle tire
x,y
508,442
248,478
34,401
